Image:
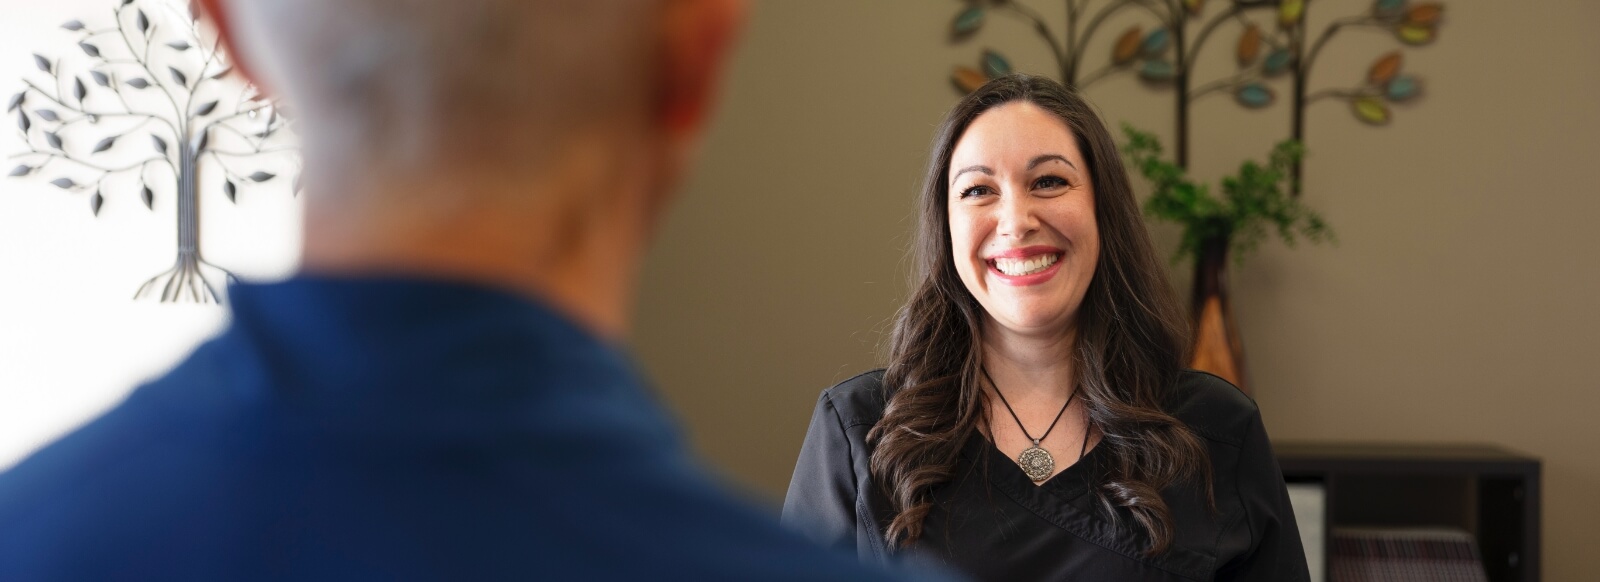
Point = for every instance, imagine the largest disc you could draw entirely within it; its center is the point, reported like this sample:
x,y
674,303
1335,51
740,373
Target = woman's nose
x,y
1017,216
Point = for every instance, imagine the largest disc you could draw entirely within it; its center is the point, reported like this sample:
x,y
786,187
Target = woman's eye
x,y
974,191
1049,182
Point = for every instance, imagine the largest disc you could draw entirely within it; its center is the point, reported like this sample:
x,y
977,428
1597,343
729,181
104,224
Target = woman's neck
x,y
1031,368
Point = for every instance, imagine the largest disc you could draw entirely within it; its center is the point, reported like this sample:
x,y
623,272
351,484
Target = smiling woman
x,y
1037,289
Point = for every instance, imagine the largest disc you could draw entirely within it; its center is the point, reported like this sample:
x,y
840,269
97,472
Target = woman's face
x,y
1022,224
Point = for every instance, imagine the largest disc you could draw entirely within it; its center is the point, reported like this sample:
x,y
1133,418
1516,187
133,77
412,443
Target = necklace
x,y
1036,462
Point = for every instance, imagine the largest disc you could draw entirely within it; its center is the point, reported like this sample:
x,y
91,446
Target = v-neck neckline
x,y
1069,484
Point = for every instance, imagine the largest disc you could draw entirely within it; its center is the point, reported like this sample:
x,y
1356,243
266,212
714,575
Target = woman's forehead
x,y
1012,135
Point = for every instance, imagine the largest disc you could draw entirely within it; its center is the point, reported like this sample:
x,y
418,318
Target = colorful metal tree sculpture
x,y
150,77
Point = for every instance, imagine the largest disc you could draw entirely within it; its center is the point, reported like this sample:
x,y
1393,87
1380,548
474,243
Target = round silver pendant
x,y
1036,463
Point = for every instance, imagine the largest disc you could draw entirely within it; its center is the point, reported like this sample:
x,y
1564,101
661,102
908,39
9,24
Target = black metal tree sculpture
x,y
150,78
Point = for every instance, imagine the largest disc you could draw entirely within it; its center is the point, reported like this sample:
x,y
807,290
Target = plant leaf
x,y
64,183
262,176
1384,69
1127,46
139,83
995,65
105,144
44,64
73,25
161,144
47,115
90,49
178,76
967,79
205,109
967,22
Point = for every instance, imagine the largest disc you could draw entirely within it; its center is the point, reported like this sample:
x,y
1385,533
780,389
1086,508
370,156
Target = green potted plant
x,y
1255,203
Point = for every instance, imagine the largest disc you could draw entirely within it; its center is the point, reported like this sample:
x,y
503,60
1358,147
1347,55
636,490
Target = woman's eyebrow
x,y
982,169
1047,157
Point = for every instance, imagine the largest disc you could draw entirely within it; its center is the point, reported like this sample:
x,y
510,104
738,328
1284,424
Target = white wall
x,y
72,339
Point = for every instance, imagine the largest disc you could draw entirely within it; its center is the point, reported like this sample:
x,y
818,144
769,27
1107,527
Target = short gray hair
x,y
399,75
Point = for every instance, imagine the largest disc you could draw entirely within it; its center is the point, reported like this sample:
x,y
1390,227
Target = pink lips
x,y
1022,253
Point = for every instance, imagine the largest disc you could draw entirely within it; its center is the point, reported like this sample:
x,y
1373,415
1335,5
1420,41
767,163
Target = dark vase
x,y
1217,348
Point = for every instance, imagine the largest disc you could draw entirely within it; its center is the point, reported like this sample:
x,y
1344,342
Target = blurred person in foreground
x,y
440,393
1036,421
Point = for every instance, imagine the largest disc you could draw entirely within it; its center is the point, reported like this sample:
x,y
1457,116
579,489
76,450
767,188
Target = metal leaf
x,y
47,115
1127,46
967,79
1370,110
105,144
139,83
967,22
262,177
230,190
205,109
1155,43
1384,9
16,101
100,78
95,202
22,170
1157,71
995,65
90,49
1249,45
1402,88
1425,14
143,22
73,25
1194,6
64,183
1277,62
179,45
161,144
44,64
1290,11
148,197
79,89
1416,34
1384,69
54,139
1254,95
178,76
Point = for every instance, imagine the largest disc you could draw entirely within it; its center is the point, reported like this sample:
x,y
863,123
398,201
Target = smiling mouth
x,y
1017,267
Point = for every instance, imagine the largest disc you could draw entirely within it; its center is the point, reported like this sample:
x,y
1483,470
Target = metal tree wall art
x,y
146,109
1264,53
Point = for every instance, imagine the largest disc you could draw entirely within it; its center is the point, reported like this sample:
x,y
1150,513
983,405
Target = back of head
x,y
485,81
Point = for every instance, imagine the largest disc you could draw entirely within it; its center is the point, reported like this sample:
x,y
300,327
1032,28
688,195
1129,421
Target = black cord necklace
x,y
1036,462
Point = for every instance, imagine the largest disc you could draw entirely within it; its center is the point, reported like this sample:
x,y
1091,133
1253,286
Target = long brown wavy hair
x,y
1130,341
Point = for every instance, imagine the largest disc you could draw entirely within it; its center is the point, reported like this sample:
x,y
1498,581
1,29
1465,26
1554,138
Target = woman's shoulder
x,y
858,400
1213,407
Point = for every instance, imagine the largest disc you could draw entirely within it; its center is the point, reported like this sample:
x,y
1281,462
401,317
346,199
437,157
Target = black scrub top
x,y
992,523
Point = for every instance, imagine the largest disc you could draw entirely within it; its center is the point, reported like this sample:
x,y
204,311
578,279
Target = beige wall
x,y
1459,306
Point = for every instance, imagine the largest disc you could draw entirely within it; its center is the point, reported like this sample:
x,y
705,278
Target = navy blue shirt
x,y
389,429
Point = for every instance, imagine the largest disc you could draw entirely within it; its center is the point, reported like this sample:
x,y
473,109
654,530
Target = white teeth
x,y
1027,266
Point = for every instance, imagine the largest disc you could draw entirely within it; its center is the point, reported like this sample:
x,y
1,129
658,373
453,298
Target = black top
x,y
993,523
